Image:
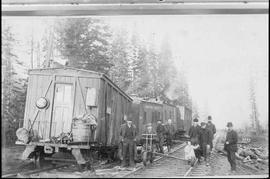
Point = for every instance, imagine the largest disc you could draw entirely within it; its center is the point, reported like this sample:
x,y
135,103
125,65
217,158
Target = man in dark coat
x,y
212,128
160,135
128,137
194,133
231,146
170,130
205,140
120,146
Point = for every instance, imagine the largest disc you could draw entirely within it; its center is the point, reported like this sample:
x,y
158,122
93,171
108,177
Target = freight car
x,y
147,111
186,117
57,102
144,112
74,110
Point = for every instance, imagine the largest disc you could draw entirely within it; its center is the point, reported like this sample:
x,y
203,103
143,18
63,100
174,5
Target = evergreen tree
x,y
119,72
85,43
14,88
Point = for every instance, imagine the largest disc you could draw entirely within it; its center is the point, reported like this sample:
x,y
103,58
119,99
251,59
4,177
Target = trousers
x,y
211,145
197,153
231,159
205,152
160,143
128,152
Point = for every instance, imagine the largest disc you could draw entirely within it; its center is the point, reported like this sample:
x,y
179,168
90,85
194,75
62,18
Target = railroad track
x,y
219,166
176,167
169,167
29,172
162,167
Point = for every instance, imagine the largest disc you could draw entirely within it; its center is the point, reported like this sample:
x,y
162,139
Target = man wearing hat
x,y
194,133
160,135
212,128
128,138
170,131
205,140
231,145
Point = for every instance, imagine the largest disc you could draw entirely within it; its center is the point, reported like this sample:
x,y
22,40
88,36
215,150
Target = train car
x,y
57,96
170,112
145,112
186,117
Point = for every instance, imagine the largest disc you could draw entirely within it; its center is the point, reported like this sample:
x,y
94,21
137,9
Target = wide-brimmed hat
x,y
229,124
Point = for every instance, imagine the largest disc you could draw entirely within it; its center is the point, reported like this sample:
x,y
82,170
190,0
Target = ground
x,y
11,158
219,165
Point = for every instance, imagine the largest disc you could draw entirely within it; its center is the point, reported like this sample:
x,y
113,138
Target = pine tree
x,y
14,88
85,43
254,111
119,72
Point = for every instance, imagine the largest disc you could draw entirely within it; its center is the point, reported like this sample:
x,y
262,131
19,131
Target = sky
x,y
219,54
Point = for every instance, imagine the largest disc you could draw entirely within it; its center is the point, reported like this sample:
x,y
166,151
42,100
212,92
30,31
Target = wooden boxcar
x,y
145,112
170,112
186,117
151,111
69,91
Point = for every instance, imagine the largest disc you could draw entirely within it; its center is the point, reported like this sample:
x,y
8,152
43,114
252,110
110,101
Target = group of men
x,y
200,135
203,136
128,138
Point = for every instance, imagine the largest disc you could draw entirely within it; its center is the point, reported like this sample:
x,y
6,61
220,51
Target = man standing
x,y
194,133
128,137
160,135
205,140
120,146
212,128
170,132
231,145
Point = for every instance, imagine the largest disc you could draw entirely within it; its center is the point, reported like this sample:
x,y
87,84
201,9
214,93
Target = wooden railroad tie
x,y
166,155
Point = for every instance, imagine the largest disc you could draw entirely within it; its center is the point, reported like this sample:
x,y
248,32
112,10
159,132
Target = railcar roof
x,y
98,74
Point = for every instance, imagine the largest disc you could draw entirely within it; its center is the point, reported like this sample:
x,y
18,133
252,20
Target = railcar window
x,y
153,116
91,97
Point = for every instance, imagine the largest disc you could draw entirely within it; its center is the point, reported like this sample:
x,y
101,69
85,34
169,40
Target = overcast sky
x,y
218,52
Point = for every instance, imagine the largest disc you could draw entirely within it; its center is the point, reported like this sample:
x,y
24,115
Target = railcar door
x,y
62,109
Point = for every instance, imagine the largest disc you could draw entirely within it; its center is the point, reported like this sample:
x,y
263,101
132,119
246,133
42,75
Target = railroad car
x,y
59,99
144,112
57,96
186,117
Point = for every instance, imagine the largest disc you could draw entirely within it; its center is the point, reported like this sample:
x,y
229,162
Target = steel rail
x,y
155,160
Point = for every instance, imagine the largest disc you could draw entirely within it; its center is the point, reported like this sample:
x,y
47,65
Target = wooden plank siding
x,y
108,129
37,85
148,108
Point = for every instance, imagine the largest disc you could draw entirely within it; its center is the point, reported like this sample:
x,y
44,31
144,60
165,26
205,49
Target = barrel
x,y
81,132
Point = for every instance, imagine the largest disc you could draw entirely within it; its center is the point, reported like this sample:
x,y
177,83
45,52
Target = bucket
x,y
81,132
